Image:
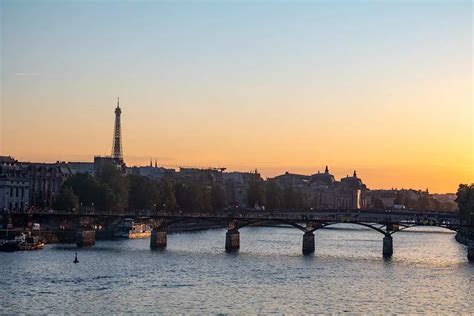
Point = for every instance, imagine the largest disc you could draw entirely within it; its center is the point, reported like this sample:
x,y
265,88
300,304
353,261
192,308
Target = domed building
x,y
353,182
325,192
353,192
323,179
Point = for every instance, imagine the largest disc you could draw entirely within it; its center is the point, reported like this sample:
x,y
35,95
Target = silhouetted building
x,y
236,186
81,167
292,180
322,191
153,173
206,177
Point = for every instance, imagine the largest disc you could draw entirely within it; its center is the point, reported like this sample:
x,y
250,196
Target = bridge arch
x,y
325,224
444,226
295,225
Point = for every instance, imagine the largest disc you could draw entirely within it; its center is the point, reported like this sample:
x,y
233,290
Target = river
x,y
428,273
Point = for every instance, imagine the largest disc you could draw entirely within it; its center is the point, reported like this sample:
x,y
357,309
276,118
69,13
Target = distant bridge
x,y
386,222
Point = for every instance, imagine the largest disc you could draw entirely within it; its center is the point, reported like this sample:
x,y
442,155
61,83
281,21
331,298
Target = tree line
x,y
109,191
274,197
465,201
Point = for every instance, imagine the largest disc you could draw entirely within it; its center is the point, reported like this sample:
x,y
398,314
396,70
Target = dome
x,y
353,182
323,178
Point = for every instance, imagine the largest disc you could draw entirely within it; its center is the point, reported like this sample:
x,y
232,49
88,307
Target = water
x,y
428,273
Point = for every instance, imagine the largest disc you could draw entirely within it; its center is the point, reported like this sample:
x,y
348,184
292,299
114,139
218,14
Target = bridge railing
x,y
321,215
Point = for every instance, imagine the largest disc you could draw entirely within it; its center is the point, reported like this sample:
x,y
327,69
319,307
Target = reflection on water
x,y
429,272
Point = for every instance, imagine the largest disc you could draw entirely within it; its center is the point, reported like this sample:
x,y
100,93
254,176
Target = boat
x,y
129,229
22,242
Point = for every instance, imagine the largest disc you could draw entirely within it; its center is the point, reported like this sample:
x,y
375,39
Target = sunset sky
x,y
383,87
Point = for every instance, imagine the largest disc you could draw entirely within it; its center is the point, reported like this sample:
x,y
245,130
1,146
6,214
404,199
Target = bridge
x,y
385,222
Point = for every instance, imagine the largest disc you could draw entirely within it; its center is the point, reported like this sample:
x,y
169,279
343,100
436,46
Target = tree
x,y
465,201
106,199
67,199
167,195
435,205
182,198
423,203
204,199
255,193
292,199
273,195
85,187
92,193
378,204
193,197
143,193
109,174
218,199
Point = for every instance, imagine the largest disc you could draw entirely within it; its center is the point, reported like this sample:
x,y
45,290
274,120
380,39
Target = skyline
x,y
201,87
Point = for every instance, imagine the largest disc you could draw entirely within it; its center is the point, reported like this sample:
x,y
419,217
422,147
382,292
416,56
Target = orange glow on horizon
x,y
381,88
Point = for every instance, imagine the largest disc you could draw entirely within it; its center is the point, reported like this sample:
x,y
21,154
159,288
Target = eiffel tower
x,y
117,153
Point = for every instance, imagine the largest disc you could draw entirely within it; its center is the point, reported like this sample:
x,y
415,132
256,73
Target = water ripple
x,y
428,273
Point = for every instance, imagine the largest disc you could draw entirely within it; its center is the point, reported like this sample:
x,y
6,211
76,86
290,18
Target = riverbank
x,y
462,238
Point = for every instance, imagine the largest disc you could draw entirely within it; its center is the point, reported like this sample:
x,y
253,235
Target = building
x,y
293,180
355,192
236,186
81,167
14,186
101,161
46,180
151,172
323,191
207,177
25,185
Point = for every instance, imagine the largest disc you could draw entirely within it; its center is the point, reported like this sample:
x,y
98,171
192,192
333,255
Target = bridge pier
x,y
159,238
232,240
85,237
470,250
308,243
387,246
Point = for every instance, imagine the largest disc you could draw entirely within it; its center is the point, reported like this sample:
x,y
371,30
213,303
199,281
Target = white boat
x,y
128,229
